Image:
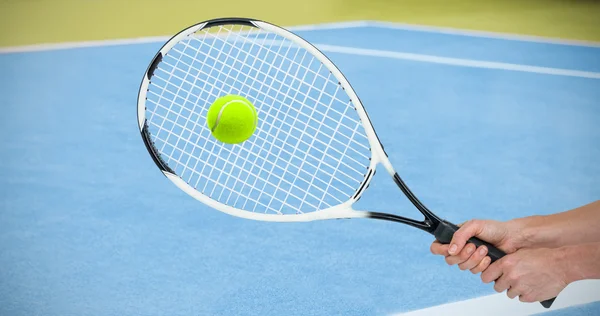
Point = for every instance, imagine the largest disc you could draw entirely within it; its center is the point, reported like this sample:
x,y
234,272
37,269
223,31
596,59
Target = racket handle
x,y
445,231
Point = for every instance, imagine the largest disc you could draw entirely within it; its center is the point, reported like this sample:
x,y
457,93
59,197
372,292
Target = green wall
x,y
25,22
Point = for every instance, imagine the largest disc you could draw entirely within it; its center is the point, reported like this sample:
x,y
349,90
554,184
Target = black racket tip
x,y
548,303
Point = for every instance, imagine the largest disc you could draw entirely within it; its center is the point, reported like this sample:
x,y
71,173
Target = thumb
x,y
465,232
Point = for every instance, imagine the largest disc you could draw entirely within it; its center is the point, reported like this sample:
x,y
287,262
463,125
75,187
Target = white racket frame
x,y
344,210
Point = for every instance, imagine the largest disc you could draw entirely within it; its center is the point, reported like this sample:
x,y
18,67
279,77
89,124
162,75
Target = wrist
x,y
564,258
528,232
580,262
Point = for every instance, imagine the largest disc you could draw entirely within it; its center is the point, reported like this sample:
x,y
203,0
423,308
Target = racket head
x,y
314,151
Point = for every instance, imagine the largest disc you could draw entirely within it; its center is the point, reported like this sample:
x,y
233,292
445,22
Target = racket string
x,y
260,168
280,43
310,118
298,143
277,132
275,90
339,161
212,87
245,161
217,156
208,56
324,115
280,148
246,84
171,74
295,110
227,55
307,69
181,108
236,180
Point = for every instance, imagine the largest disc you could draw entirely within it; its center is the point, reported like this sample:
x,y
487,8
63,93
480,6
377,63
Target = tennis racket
x,y
314,151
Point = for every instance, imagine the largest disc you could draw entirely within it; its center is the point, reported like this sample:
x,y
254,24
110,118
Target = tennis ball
x,y
232,119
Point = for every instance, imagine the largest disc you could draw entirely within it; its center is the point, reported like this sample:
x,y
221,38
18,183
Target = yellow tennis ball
x,y
232,119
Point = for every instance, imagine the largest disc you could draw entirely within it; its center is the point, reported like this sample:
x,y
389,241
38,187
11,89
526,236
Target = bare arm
x,y
577,226
583,261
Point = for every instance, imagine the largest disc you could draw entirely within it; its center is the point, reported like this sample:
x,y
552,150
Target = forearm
x,y
581,262
577,226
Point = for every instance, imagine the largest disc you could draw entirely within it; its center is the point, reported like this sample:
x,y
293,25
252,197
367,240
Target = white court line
x,y
313,27
458,61
578,293
448,61
329,26
84,44
483,34
157,39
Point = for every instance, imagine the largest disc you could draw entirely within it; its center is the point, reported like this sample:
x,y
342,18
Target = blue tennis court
x,y
478,127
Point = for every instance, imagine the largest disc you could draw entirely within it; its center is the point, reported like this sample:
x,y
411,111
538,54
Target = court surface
x,y
478,126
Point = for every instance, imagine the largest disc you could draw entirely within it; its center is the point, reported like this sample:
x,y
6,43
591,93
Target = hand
x,y
532,274
505,235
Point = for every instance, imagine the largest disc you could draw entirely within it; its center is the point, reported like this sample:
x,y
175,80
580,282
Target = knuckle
x,y
466,253
468,225
512,277
472,263
507,262
522,290
463,266
475,257
477,268
463,230
482,252
475,222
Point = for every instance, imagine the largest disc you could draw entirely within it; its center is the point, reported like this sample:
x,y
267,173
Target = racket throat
x,y
426,225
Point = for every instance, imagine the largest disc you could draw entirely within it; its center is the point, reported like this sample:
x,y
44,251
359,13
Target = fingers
x,y
462,235
502,284
523,293
463,256
439,249
527,298
512,293
484,264
493,272
470,258
475,259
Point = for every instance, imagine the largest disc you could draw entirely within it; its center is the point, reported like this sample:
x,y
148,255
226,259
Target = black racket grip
x,y
445,231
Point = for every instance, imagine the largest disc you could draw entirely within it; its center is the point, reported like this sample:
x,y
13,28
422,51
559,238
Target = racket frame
x,y
343,210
